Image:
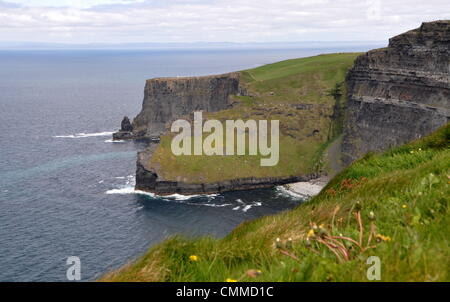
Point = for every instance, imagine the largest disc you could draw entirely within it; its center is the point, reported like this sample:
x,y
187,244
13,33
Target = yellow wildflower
x,y
310,233
404,206
193,258
380,238
231,280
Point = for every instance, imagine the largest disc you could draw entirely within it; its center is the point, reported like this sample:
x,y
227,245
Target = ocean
x,y
67,190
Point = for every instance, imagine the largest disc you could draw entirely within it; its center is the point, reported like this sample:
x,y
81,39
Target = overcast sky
x,y
124,21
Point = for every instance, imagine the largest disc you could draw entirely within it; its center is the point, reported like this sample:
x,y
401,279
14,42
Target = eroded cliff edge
x,y
398,93
167,99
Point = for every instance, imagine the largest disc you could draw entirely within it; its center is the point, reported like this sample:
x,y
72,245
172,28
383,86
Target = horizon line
x,y
24,45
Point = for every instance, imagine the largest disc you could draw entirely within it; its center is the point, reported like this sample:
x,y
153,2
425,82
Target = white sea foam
x,y
281,190
125,190
246,208
83,135
177,197
212,205
180,197
249,206
114,141
129,190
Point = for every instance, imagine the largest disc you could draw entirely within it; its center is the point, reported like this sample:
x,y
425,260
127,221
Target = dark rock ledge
x,y
148,181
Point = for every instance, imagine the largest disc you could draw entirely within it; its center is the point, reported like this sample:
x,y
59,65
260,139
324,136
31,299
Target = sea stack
x,y
126,125
126,130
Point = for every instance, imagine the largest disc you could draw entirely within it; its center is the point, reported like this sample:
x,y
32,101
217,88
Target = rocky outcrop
x,y
167,99
398,93
126,130
126,125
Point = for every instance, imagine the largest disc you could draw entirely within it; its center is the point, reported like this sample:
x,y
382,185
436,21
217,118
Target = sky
x,y
143,21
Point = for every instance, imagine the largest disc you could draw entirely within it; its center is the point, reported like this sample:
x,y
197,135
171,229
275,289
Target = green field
x,y
407,190
295,92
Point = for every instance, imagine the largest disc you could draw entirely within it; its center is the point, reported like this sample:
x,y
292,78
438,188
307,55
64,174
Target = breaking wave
x,y
282,191
245,207
207,200
114,141
83,135
129,190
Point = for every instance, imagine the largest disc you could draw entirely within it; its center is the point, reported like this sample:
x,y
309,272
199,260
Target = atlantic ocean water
x,y
67,190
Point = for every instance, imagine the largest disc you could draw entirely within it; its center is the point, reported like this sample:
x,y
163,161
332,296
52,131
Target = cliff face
x,y
399,93
167,99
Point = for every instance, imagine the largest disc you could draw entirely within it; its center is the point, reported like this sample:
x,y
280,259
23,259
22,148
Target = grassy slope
x,y
407,188
275,90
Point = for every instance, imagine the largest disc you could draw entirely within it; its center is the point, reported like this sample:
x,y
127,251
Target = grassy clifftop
x,y
407,190
295,92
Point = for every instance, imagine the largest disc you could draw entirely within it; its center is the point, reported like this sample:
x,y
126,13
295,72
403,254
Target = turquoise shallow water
x,y
67,190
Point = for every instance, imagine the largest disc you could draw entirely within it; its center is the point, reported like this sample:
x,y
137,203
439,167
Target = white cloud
x,y
215,20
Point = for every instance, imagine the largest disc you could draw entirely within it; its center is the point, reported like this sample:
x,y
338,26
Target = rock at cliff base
x,y
126,125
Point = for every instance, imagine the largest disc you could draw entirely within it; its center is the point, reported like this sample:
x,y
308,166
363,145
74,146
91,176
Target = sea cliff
x,y
399,93
167,99
384,98
299,98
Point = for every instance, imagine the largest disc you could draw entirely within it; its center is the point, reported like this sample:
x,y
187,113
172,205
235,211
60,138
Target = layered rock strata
x,y
167,99
399,93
